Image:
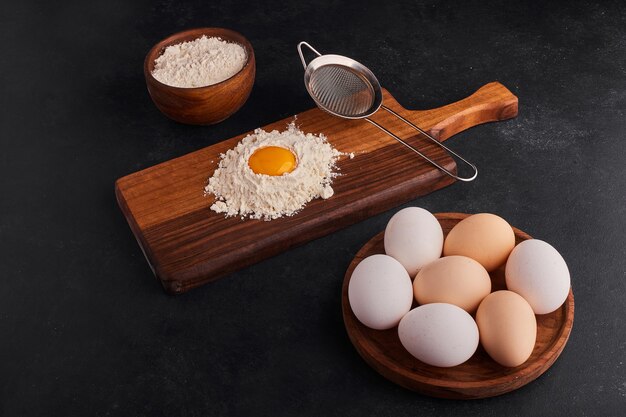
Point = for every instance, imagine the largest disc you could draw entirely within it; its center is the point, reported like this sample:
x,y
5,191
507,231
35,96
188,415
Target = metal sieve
x,y
346,88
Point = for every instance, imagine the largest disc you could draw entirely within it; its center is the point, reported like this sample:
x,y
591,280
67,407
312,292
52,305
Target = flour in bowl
x,y
239,191
199,63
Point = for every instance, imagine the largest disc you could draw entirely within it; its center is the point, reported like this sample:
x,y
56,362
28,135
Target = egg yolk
x,y
272,160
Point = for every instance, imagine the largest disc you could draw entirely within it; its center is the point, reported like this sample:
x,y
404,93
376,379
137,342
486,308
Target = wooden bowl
x,y
480,376
201,105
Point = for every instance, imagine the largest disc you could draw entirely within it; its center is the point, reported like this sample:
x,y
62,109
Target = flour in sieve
x,y
241,192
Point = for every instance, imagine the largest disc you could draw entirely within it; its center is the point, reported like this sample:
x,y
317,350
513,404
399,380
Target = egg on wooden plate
x,y
457,280
380,292
484,237
508,327
538,272
439,334
414,237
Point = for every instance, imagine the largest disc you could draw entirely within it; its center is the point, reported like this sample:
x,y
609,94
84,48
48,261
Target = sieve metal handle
x,y
304,64
441,145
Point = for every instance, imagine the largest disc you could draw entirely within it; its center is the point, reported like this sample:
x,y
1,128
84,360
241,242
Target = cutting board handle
x,y
490,103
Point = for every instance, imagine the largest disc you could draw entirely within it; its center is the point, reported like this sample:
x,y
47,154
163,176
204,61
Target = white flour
x,y
241,192
199,63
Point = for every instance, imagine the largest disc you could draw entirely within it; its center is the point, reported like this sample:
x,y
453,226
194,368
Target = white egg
x,y
414,237
439,334
380,292
538,272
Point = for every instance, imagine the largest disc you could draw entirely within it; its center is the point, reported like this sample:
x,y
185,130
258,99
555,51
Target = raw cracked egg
x,y
380,292
457,280
272,160
537,272
414,237
508,327
439,334
484,237
268,175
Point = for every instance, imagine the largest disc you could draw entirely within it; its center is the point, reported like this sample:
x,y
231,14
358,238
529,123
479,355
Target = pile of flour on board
x,y
199,63
241,192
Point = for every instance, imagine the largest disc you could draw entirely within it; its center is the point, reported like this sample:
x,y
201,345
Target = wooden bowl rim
x,y
530,371
178,37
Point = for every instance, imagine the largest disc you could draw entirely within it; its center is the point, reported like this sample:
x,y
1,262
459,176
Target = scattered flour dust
x,y
239,191
199,63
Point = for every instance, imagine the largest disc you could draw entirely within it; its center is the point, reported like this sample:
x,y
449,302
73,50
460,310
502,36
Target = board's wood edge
x,y
132,223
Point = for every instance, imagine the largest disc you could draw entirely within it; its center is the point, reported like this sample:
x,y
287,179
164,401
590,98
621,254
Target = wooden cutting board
x,y
187,244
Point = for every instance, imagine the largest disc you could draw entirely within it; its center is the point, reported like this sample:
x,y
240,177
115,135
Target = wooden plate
x,y
480,376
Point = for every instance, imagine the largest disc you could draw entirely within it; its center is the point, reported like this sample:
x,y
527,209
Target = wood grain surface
x,y
187,244
480,376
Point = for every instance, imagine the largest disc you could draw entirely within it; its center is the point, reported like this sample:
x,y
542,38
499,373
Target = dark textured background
x,y
85,329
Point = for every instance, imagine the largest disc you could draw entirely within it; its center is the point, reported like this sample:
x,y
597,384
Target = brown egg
x,y
484,237
508,327
457,280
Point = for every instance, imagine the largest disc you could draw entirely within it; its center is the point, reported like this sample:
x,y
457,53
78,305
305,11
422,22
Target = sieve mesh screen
x,y
342,90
